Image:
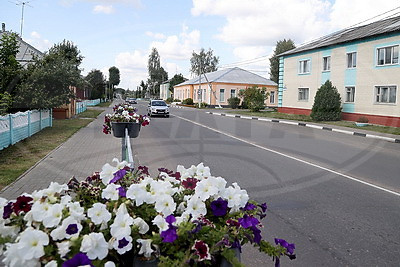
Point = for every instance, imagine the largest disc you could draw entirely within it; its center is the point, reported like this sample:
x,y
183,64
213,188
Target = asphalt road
x,y
337,197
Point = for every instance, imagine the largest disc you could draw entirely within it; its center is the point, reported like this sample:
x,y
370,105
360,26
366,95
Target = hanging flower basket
x,y
118,129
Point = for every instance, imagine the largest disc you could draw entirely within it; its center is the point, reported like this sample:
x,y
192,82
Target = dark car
x,y
158,107
131,100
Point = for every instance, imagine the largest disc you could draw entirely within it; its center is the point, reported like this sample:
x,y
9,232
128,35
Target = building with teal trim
x,y
361,62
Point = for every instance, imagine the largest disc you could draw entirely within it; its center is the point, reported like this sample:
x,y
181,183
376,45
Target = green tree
x,y
203,62
9,67
114,76
96,82
177,79
47,83
5,102
281,46
327,103
254,98
157,74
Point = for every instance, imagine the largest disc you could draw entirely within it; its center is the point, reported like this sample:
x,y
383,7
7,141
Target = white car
x,y
158,107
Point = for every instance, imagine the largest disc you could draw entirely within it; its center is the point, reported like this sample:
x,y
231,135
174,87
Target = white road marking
x,y
292,157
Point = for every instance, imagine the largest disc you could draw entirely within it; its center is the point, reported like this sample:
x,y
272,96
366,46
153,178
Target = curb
x,y
389,139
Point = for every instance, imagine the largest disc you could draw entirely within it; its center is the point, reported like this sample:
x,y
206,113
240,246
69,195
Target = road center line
x,y
291,157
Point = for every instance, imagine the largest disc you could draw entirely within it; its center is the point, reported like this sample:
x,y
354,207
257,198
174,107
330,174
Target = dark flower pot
x,y
118,129
225,263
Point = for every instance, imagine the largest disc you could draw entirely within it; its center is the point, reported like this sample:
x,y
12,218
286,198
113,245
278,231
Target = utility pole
x,y
199,95
22,3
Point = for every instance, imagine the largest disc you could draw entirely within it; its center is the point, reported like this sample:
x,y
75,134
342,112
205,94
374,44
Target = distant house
x,y
215,88
26,51
362,62
164,90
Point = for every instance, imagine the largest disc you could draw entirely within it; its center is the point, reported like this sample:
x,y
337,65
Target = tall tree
x,y
96,82
114,76
281,46
203,62
9,67
157,74
67,50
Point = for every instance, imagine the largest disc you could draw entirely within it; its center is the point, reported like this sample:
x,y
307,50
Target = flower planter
x,y
361,124
225,263
118,129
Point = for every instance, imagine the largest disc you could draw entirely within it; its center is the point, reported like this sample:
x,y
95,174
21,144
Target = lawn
x,y
16,159
104,104
284,116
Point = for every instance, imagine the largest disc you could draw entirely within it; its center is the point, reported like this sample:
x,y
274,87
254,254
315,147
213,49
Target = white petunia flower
x,y
202,171
13,256
52,263
123,244
145,249
205,189
53,216
196,207
95,246
165,204
63,248
121,226
160,222
40,210
98,213
121,164
65,200
143,226
110,192
32,242
109,264
236,197
138,193
76,211
107,173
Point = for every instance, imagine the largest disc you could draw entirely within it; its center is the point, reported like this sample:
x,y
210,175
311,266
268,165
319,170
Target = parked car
x,y
158,107
131,100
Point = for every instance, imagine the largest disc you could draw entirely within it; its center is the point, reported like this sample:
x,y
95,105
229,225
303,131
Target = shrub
x,y
187,101
254,98
169,100
203,105
362,119
177,100
327,103
5,102
234,102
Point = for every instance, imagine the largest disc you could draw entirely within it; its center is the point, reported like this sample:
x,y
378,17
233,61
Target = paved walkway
x,y
81,155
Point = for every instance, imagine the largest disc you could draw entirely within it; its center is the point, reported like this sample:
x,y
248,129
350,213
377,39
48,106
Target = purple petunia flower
x,y
122,191
118,175
263,207
169,236
248,221
236,244
144,170
7,210
122,243
249,206
170,219
22,204
219,207
72,229
190,183
257,234
283,243
80,259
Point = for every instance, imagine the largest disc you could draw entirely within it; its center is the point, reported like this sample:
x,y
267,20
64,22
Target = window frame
x,y
234,95
353,62
272,97
302,67
222,99
350,94
384,49
326,67
381,95
307,96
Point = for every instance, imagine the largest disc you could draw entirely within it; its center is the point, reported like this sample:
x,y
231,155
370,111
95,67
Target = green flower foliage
x,y
327,103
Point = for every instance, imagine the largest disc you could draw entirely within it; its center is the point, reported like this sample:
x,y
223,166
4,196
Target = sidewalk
x,y
81,155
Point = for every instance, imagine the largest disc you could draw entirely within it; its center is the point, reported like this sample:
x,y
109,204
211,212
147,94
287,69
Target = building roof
x,y
380,27
231,75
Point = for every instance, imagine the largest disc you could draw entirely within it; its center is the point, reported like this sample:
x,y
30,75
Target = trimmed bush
x,y
327,104
187,101
254,98
234,102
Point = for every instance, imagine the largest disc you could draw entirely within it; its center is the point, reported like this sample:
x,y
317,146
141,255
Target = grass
x,y
284,116
90,113
104,104
16,159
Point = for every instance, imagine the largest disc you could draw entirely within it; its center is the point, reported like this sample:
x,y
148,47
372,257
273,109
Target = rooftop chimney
x,y
3,27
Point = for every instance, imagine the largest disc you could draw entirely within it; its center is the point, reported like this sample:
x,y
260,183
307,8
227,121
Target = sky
x,y
121,33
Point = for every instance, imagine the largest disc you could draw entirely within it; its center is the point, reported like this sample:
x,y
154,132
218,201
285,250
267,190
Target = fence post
x,y
29,124
11,124
40,120
51,117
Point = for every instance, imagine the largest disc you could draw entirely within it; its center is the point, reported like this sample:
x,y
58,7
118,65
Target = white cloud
x,y
135,3
178,47
132,67
103,9
155,35
38,42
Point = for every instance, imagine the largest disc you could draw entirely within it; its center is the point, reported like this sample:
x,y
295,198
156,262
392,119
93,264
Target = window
x,y
272,97
388,55
352,60
303,94
385,94
304,66
350,92
199,95
233,93
221,95
326,63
